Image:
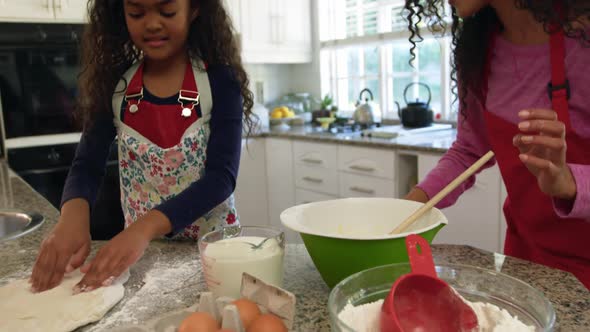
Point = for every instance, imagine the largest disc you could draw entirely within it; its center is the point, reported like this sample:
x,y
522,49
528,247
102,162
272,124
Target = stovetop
x,y
350,128
380,131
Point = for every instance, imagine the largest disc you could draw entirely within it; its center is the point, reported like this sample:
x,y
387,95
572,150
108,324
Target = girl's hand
x,y
542,148
65,248
122,251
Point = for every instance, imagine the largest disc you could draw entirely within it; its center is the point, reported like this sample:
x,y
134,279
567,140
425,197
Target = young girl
x,y
522,67
164,77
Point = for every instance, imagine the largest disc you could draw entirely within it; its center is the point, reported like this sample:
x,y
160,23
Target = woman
x,y
521,67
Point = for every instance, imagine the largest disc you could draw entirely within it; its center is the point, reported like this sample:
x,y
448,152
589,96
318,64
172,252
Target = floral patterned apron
x,y
150,174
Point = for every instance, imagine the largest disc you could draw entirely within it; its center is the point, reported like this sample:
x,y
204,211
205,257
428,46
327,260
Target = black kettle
x,y
417,114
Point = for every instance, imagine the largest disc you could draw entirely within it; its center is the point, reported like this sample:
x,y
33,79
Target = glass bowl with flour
x,y
502,303
229,252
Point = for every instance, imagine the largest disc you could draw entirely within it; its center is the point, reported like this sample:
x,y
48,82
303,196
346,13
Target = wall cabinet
x,y
234,10
71,10
64,11
26,10
276,31
476,217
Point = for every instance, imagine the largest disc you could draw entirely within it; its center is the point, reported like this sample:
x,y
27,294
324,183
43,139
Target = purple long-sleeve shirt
x,y
518,81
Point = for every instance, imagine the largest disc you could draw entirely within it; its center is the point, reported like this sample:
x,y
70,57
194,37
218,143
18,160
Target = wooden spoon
x,y
442,194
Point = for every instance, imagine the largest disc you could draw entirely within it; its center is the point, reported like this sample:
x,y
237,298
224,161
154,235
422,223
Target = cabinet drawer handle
x,y
361,168
312,161
314,180
362,190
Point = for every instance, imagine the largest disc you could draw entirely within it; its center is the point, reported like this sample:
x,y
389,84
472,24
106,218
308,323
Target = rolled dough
x,y
55,310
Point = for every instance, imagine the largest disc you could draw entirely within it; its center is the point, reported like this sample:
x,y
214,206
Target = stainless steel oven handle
x,y
58,169
44,170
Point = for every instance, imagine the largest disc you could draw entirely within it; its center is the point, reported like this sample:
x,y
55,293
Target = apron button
x,y
133,108
186,112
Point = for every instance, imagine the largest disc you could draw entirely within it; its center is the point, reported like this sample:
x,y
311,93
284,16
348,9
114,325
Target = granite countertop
x,y
168,277
434,142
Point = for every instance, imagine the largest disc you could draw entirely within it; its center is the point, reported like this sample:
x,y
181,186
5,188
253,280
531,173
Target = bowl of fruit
x,y
280,116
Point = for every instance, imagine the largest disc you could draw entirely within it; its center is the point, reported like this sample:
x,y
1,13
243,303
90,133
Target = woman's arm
x,y
470,145
579,206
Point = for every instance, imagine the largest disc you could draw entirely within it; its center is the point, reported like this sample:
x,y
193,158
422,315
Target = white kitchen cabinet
x,y
316,155
352,185
303,196
74,11
280,183
475,218
316,179
316,167
26,10
233,8
251,190
276,31
50,11
367,161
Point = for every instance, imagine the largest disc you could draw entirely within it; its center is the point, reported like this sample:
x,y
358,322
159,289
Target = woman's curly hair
x,y
471,36
107,52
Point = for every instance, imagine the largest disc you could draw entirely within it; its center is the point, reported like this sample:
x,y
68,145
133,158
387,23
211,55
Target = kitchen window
x,y
364,44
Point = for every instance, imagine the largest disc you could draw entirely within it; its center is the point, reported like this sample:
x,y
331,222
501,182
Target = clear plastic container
x,y
227,253
473,283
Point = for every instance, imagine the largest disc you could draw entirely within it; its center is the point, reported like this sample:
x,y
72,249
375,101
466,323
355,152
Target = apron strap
x,y
201,80
121,90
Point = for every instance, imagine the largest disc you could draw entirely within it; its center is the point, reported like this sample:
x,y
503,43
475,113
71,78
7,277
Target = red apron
x,y
162,124
535,232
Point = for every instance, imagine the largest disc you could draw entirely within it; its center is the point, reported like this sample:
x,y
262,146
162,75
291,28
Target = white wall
x,y
274,80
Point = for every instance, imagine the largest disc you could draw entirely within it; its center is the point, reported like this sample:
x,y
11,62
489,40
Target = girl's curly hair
x,y
471,36
107,52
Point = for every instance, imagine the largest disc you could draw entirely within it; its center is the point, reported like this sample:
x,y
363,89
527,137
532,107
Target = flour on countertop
x,y
158,280
365,318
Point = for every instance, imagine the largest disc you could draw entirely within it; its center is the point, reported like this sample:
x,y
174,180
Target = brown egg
x,y
199,322
267,323
248,310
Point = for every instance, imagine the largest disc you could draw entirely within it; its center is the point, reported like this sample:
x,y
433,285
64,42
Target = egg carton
x,y
270,299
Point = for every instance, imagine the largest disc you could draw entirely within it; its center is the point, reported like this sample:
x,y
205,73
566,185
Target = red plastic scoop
x,y
419,301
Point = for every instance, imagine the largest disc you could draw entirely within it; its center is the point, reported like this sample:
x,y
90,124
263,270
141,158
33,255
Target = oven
x,y
39,65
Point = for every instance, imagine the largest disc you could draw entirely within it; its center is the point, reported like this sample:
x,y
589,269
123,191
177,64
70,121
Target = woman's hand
x,y
543,148
418,195
65,248
122,251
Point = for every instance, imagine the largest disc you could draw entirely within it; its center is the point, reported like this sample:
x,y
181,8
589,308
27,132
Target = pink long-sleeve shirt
x,y
518,80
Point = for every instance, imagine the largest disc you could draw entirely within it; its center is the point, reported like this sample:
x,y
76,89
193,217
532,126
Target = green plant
x,y
326,102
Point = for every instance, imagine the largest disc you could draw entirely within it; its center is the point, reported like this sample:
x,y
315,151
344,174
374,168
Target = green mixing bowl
x,y
349,235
